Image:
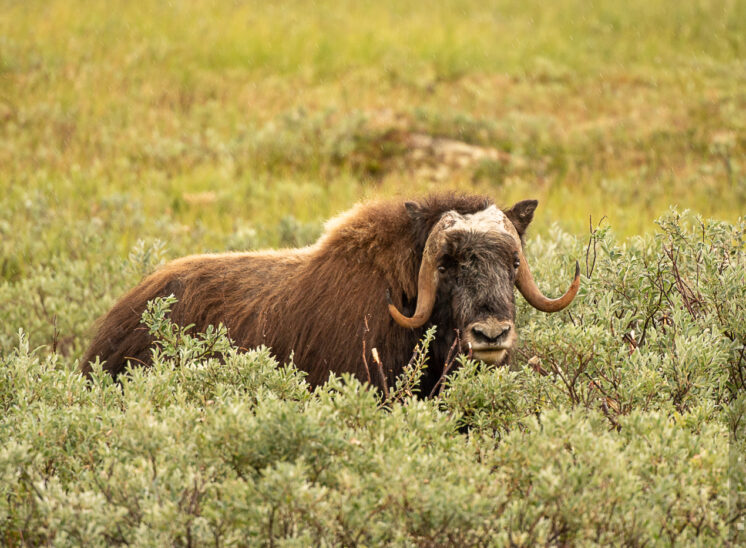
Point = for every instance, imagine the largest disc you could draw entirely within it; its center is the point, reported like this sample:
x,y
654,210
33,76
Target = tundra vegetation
x,y
135,132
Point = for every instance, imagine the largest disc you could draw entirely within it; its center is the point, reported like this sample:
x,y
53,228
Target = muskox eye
x,y
446,264
516,262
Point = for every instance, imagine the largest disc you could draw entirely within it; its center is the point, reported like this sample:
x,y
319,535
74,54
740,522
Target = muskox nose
x,y
491,332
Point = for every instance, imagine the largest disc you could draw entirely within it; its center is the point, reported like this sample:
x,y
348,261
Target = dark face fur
x,y
477,258
477,277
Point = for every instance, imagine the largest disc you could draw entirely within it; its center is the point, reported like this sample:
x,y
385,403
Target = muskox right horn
x,y
427,282
527,286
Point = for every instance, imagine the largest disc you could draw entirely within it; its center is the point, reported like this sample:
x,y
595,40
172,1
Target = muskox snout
x,y
489,340
490,333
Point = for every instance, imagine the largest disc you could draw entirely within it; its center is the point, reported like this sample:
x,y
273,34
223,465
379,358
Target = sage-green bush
x,y
620,420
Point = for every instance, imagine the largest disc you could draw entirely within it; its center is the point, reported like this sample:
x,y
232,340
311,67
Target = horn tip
x,y
577,270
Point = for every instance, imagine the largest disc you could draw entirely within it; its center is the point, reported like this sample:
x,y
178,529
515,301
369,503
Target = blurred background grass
x,y
245,124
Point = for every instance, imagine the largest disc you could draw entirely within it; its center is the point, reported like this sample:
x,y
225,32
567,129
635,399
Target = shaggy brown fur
x,y
312,301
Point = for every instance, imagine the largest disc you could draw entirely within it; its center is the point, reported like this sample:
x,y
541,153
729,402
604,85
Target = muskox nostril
x,y
490,334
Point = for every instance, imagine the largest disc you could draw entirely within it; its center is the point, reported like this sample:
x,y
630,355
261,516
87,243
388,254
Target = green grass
x,y
605,109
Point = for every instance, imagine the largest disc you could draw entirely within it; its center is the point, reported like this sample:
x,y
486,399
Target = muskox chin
x,y
326,303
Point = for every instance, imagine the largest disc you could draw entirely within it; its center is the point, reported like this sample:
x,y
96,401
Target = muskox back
x,y
210,289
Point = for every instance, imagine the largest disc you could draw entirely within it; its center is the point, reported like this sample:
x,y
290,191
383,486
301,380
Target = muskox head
x,y
470,264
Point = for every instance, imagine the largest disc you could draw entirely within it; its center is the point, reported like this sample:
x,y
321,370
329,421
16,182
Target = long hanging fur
x,y
313,302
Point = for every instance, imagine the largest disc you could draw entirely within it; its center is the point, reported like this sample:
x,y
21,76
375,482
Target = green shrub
x,y
620,421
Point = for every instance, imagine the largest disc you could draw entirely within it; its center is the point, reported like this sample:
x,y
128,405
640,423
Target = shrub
x,y
620,421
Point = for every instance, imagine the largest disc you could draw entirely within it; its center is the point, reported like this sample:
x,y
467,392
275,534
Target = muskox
x,y
378,277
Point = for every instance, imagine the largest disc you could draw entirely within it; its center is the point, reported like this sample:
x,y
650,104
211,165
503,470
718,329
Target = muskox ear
x,y
414,210
521,215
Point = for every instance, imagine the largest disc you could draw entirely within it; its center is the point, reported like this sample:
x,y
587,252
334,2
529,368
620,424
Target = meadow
x,y
136,132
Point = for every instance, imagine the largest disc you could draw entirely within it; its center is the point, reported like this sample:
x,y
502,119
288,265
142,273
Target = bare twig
x,y
571,318
589,266
374,352
450,359
365,358
612,420
56,335
534,363
687,295
650,315
737,376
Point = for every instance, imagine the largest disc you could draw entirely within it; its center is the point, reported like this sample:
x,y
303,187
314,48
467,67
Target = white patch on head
x,y
487,220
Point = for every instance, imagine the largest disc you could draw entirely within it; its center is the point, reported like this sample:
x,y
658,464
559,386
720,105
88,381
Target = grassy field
x,y
217,116
135,132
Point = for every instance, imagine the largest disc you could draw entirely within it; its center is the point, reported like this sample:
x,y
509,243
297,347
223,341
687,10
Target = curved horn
x,y
427,283
525,283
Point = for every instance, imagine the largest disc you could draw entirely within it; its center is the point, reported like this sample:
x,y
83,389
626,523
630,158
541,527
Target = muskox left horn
x,y
427,282
525,283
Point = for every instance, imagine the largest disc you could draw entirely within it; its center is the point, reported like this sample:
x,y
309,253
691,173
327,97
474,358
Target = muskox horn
x,y
525,283
427,282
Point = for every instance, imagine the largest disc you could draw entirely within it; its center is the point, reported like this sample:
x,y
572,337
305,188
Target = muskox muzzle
x,y
489,340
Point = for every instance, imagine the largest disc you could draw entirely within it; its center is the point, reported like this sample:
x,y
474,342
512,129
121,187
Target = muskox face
x,y
469,267
477,274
